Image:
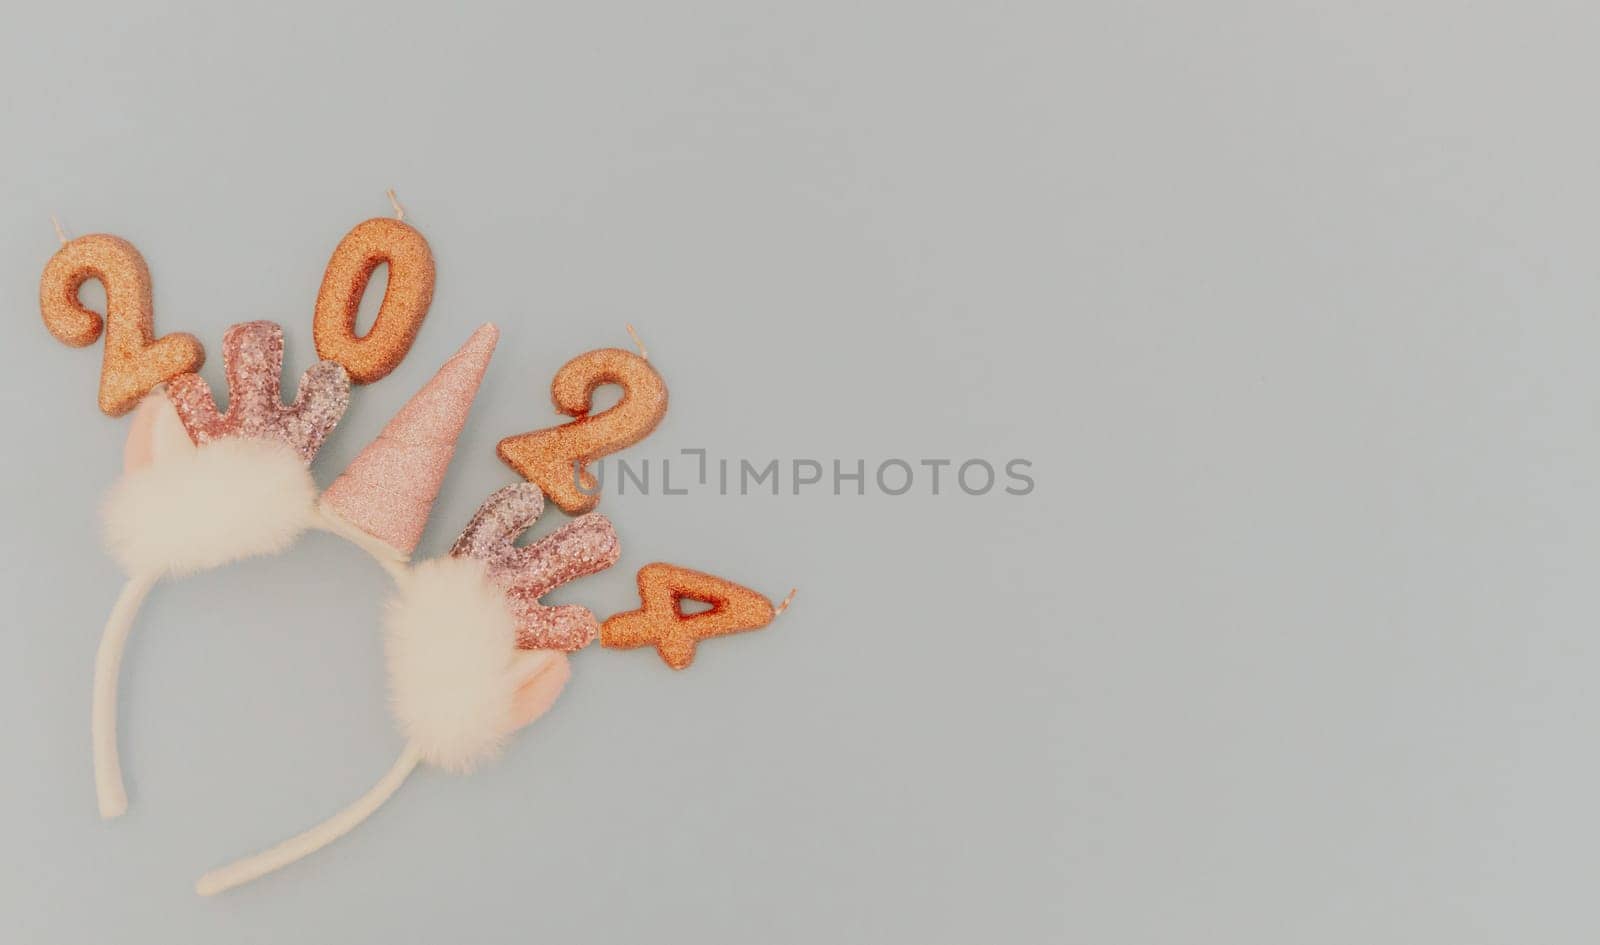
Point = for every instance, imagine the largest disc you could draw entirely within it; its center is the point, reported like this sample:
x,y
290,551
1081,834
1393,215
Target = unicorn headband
x,y
472,653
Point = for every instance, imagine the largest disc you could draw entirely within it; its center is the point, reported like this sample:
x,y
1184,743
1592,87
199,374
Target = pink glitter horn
x,y
382,500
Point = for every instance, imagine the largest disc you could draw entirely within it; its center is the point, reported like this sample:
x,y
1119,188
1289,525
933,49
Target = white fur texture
x,y
192,510
451,643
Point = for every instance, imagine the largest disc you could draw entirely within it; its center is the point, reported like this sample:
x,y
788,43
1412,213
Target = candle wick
x,y
635,335
399,211
786,602
61,234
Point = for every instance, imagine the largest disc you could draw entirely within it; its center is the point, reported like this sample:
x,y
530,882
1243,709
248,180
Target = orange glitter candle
x,y
662,623
546,457
372,356
135,359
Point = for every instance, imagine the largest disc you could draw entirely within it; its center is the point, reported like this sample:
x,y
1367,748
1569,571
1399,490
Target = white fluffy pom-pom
x,y
451,642
196,509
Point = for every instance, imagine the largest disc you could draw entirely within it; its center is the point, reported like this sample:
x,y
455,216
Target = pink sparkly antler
x,y
252,357
588,545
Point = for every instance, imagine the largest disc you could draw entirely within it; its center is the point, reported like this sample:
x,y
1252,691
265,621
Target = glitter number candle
x,y
547,457
662,623
135,359
372,356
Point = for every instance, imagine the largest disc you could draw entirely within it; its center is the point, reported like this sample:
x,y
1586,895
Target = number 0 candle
x,y
372,356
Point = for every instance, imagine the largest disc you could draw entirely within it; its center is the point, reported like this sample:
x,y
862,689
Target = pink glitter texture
x,y
389,489
588,545
252,357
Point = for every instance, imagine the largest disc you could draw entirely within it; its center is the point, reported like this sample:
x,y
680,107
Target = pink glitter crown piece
x,y
587,545
252,357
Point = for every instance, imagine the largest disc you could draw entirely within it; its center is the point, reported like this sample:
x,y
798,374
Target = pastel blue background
x,y
1293,306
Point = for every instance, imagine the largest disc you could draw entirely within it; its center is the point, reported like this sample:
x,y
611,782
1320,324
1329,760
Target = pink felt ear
x,y
156,432
140,449
539,691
